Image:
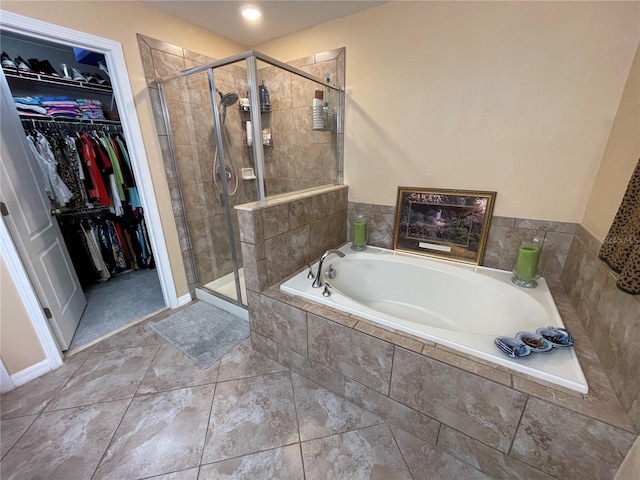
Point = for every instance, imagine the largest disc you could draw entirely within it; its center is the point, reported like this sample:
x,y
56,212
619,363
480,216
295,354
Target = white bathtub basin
x,y
460,306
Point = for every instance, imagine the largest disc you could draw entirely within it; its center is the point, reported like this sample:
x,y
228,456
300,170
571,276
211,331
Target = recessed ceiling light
x,y
251,13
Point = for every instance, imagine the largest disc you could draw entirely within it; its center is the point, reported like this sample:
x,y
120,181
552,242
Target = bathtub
x,y
456,305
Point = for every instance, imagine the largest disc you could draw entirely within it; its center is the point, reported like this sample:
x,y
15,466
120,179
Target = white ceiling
x,y
279,18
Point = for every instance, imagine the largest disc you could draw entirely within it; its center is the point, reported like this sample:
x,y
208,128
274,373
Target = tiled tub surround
x,y
610,317
506,424
422,296
281,235
505,235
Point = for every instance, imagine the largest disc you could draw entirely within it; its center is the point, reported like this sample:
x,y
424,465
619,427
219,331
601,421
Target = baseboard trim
x,y
184,299
6,384
31,373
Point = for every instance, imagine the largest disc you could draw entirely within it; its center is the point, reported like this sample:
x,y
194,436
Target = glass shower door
x,y
210,184
243,129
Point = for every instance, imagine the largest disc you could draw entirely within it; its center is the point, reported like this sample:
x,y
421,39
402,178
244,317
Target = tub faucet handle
x,y
331,273
310,275
326,292
317,283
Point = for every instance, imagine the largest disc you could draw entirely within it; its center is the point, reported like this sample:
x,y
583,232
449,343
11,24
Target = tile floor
x,y
134,407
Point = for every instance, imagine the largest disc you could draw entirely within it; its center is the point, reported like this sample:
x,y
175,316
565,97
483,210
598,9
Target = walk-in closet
x,y
71,124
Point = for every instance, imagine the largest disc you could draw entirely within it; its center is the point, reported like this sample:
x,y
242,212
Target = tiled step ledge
x,y
288,197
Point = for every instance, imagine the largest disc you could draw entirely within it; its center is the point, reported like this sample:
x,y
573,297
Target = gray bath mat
x,y
203,332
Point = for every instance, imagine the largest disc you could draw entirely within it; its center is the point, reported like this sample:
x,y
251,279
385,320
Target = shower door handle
x,y
223,203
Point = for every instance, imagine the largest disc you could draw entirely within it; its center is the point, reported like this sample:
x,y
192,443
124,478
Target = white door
x,y
34,231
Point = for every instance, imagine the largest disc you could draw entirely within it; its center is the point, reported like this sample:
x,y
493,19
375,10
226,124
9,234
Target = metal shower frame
x,y
251,58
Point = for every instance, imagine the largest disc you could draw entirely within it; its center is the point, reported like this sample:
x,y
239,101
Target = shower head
x,y
228,99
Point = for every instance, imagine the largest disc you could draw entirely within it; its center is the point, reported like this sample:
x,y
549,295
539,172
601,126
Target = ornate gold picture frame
x,y
447,224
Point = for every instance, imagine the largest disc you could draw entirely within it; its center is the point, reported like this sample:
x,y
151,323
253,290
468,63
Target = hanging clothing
x,y
79,176
56,189
94,252
621,247
87,171
125,165
113,158
99,191
78,248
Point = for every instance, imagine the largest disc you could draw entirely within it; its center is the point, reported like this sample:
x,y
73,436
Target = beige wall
x,y
517,97
121,21
620,158
19,345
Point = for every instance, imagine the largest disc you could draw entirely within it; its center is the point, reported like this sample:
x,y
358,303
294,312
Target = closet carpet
x,y
116,303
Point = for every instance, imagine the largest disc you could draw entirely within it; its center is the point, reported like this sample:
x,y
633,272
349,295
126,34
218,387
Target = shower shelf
x,y
264,144
263,108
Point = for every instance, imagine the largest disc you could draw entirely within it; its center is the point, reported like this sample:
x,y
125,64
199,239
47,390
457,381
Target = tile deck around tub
x,y
245,417
600,403
483,414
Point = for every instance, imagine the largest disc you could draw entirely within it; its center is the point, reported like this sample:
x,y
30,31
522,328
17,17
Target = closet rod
x,y
36,122
70,120
82,211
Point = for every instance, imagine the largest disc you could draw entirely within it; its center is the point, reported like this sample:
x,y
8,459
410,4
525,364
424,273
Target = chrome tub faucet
x,y
317,282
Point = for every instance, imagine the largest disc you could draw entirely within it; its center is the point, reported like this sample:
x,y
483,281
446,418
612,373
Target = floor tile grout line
x,y
413,410
395,440
206,432
172,389
438,434
124,415
168,473
38,415
75,372
219,362
341,433
147,371
101,402
488,446
304,471
249,454
95,354
295,406
115,430
254,376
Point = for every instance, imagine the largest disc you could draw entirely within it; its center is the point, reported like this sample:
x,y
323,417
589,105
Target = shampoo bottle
x,y
264,95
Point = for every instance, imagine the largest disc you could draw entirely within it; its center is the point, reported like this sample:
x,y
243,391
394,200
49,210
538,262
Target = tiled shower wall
x,y
610,317
202,227
505,235
281,236
301,157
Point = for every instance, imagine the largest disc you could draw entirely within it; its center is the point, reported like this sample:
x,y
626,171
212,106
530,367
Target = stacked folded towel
x,y
90,109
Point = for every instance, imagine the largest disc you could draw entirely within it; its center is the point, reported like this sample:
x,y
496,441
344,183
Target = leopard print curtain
x,y
621,248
